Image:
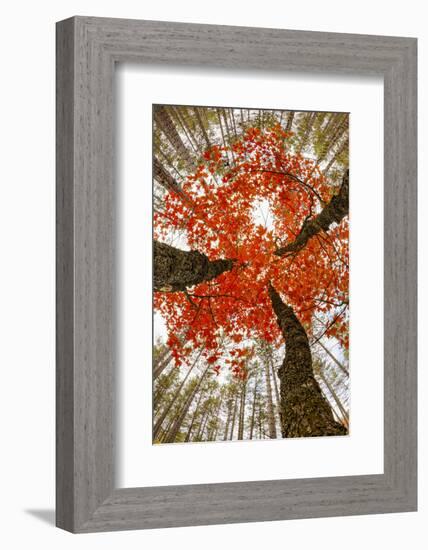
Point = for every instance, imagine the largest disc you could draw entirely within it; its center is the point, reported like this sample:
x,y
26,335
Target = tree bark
x,y
333,212
304,410
175,270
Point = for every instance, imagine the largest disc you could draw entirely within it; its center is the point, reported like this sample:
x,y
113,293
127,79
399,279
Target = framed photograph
x,y
236,274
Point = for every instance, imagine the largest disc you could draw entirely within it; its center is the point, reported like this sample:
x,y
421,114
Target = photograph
x,y
250,274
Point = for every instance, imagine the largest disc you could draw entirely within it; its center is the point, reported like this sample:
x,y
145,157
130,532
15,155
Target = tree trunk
x,y
161,365
253,413
195,414
235,406
242,411
162,417
304,411
330,388
229,414
166,124
338,363
175,269
270,409
179,420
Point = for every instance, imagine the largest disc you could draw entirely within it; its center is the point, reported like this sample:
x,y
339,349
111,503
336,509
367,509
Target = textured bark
x,y
304,410
175,269
333,212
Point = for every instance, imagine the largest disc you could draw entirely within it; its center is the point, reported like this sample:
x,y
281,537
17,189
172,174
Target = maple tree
x,y
268,261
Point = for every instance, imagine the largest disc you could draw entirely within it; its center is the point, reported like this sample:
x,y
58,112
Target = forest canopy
x,y
251,274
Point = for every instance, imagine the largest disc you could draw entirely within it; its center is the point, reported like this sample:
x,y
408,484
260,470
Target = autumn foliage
x,y
244,202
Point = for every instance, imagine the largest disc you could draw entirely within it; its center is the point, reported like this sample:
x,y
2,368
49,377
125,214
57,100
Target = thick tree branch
x,y
175,270
333,212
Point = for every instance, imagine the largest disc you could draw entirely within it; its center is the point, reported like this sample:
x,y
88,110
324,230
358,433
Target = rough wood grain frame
x,y
87,50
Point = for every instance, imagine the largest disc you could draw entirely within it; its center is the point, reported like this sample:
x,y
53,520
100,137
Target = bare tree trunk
x,y
235,406
162,417
270,409
228,418
242,411
330,388
304,410
166,124
179,420
195,414
161,366
338,363
253,412
290,121
201,124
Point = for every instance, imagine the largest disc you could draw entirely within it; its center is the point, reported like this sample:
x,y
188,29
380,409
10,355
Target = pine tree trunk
x,y
235,407
195,415
229,414
335,397
164,414
166,124
270,409
179,420
242,411
161,365
338,363
304,410
253,412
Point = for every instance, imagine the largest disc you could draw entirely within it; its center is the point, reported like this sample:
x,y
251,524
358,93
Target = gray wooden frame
x,y
87,50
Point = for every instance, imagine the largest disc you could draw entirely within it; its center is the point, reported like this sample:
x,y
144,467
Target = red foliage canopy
x,y
243,203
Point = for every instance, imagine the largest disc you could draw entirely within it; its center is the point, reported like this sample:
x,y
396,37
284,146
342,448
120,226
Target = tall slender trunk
x,y
179,420
166,124
338,363
165,412
333,393
160,389
194,416
229,414
213,434
304,410
242,411
270,409
161,365
235,407
253,412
